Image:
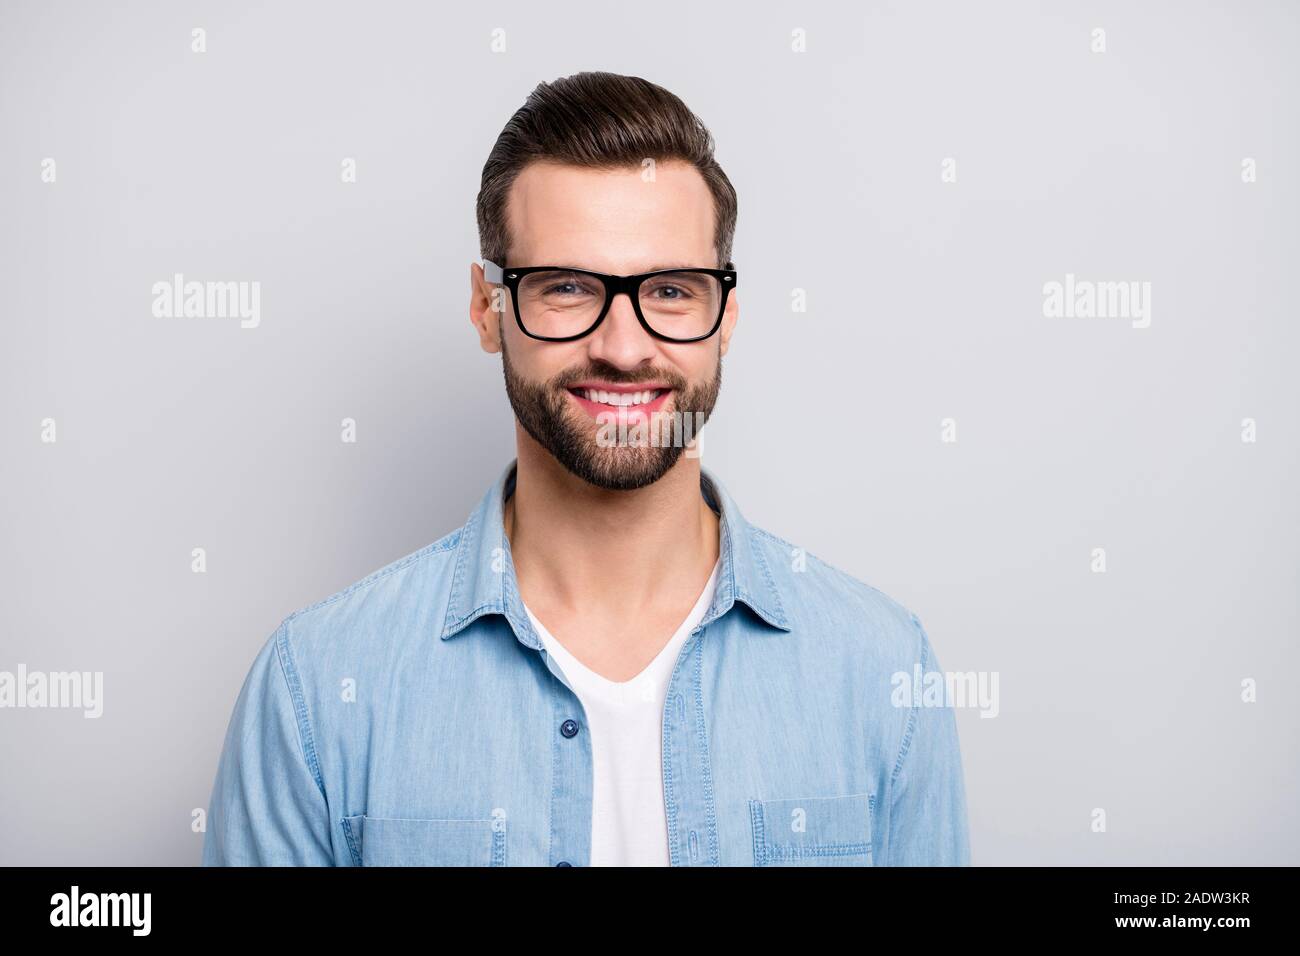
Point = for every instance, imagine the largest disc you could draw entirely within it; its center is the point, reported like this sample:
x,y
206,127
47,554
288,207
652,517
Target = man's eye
x,y
564,288
680,292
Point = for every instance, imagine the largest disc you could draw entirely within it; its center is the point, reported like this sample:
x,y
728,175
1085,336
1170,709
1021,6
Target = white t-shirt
x,y
629,825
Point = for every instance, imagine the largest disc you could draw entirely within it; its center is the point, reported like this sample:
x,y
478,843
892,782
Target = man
x,y
606,665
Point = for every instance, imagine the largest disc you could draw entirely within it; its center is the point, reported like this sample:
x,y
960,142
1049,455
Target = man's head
x,y
611,174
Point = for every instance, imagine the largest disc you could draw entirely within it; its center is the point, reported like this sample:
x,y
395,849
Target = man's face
x,y
616,222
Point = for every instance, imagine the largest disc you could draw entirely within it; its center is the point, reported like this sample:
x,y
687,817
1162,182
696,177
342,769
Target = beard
x,y
570,434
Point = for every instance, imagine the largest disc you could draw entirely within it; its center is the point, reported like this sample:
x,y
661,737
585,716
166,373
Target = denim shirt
x,y
415,718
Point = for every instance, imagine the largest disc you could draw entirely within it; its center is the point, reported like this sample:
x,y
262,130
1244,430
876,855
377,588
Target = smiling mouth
x,y
619,399
638,402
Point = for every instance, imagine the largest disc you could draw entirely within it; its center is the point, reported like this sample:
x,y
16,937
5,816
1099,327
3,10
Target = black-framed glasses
x,y
560,304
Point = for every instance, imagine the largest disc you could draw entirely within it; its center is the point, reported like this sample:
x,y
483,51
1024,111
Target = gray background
x,y
1118,690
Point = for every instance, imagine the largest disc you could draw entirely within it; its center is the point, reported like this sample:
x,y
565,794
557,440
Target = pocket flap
x,y
813,831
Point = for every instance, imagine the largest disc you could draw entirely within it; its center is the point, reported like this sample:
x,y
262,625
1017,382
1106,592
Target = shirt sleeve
x,y
268,805
927,812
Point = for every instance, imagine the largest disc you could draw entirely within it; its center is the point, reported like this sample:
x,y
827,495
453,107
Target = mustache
x,y
616,377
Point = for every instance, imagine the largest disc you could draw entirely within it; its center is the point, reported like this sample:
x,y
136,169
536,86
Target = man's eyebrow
x,y
669,265
658,268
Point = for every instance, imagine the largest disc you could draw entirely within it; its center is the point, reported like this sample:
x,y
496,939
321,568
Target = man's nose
x,y
620,339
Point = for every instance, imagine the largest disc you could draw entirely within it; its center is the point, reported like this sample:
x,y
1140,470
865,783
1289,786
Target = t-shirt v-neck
x,y
577,671
625,720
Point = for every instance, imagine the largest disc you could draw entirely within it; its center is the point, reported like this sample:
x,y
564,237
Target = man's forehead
x,y
628,213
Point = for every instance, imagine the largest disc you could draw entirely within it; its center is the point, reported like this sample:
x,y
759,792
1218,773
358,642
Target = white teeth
x,y
620,398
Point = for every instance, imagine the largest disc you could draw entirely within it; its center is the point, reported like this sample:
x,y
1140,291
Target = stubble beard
x,y
557,424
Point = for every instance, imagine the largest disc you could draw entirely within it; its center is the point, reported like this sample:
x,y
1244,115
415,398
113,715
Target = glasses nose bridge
x,y
614,285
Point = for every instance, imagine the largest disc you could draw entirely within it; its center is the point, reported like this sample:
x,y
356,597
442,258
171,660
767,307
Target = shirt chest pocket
x,y
392,841
813,831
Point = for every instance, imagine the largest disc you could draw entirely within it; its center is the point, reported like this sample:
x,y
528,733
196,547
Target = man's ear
x,y
486,305
729,316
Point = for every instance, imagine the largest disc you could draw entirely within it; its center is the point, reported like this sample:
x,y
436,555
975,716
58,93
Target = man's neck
x,y
585,552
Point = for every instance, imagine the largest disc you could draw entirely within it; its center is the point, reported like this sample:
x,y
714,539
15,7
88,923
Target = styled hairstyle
x,y
600,121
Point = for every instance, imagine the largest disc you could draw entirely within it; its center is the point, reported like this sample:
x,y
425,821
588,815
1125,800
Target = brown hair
x,y
600,121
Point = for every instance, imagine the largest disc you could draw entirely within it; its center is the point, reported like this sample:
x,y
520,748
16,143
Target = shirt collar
x,y
483,581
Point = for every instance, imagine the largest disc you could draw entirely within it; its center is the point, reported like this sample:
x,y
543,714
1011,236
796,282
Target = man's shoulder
x,y
820,596
408,588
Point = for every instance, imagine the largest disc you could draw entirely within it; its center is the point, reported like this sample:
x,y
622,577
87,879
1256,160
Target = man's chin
x,y
619,469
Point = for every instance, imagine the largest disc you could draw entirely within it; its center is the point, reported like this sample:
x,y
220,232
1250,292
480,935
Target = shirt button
x,y
569,728
564,863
